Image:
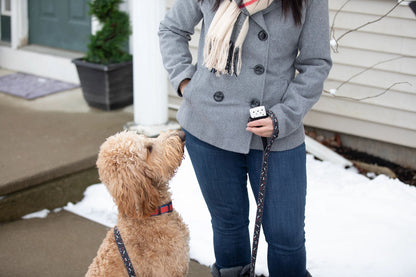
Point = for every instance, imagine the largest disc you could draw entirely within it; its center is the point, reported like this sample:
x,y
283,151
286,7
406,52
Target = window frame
x,y
3,8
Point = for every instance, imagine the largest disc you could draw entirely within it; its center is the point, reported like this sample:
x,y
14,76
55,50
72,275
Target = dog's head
x,y
137,169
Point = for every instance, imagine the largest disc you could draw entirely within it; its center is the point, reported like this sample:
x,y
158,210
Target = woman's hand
x,y
262,127
183,85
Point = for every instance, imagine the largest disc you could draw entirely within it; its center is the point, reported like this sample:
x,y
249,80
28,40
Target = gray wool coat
x,y
284,66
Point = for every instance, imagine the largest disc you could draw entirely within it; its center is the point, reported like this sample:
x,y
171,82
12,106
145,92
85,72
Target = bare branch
x,y
386,90
333,91
335,47
373,96
336,40
369,68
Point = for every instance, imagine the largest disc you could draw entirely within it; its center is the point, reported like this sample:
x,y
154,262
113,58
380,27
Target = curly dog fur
x,y
136,171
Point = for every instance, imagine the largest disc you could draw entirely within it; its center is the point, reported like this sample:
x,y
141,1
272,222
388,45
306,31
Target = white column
x,y
19,23
150,88
149,76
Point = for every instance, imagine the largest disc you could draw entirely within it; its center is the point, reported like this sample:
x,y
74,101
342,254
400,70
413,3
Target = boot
x,y
237,271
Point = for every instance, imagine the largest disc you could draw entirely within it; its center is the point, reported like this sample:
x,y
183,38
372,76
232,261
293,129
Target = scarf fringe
x,y
217,41
222,55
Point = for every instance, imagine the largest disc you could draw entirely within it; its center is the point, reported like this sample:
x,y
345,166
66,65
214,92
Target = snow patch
x,y
355,226
39,214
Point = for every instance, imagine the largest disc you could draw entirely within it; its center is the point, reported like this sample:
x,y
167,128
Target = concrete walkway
x,y
63,244
48,151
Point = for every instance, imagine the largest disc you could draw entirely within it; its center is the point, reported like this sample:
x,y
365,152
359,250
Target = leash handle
x,y
262,191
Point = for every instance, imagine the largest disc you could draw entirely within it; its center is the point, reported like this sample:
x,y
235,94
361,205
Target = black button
x,y
259,69
254,103
263,35
219,96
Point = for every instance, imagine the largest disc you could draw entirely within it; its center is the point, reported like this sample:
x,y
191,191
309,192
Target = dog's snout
x,y
181,134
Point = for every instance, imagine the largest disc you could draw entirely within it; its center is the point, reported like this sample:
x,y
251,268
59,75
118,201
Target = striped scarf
x,y
226,35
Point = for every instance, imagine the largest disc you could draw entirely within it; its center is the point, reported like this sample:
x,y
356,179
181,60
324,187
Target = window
x,y
6,7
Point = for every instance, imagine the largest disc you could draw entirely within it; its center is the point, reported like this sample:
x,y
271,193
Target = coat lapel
x,y
259,17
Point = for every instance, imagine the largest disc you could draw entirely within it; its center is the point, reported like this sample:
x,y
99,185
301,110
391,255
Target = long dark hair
x,y
294,5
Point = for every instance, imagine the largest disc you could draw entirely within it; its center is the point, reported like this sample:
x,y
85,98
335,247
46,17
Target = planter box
x,y
106,87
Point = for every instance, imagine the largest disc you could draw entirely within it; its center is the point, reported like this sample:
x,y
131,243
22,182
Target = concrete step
x,y
49,148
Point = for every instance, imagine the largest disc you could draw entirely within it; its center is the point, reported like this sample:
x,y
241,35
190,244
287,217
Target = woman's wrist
x,y
182,86
275,124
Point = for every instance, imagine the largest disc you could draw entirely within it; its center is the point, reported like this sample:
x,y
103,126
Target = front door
x,y
62,24
5,13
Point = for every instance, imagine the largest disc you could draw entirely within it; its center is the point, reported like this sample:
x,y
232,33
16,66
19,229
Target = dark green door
x,y
5,27
59,23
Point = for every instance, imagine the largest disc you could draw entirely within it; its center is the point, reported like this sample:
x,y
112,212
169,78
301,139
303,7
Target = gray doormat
x,y
30,86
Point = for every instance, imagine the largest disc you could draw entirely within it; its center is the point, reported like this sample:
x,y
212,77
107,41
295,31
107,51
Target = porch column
x,y
19,23
149,76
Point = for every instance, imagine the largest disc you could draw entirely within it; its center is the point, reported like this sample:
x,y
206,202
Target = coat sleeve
x,y
313,64
175,32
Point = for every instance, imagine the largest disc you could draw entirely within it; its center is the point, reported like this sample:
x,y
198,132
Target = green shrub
x,y
107,45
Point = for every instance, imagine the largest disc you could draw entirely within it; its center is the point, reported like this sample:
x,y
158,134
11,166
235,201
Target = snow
x,y
333,43
97,205
39,214
333,91
355,226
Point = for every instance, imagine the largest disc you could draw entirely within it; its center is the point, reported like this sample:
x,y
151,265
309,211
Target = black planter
x,y
106,87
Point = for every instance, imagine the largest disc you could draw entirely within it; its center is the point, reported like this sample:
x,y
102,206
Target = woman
x,y
248,53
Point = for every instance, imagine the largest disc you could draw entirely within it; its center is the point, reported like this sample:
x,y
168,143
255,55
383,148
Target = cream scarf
x,y
226,35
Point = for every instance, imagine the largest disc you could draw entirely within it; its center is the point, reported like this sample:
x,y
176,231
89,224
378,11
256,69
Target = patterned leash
x,y
123,253
167,208
262,190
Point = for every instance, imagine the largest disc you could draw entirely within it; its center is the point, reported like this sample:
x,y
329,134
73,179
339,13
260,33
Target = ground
x,y
404,174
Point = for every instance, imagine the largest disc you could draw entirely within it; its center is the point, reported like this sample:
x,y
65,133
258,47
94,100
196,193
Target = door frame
x,y
4,13
20,58
19,23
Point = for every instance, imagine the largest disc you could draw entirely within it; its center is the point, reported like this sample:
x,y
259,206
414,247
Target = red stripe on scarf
x,y
248,3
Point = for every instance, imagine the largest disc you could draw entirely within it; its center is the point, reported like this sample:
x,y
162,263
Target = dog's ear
x,y
149,199
122,168
137,198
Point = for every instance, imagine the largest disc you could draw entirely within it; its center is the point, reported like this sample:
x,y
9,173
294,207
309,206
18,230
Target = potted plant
x,y
106,72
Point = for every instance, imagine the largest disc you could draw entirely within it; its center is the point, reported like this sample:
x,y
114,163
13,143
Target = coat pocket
x,y
190,87
284,85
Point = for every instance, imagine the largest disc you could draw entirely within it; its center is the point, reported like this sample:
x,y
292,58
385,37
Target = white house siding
x,y
392,116
174,101
388,118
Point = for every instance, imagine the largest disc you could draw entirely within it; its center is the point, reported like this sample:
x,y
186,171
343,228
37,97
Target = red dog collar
x,y
167,208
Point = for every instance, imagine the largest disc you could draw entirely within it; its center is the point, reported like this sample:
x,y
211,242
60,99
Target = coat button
x,y
259,69
262,35
219,96
254,103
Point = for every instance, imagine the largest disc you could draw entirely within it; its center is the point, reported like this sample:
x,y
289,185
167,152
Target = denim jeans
x,y
222,176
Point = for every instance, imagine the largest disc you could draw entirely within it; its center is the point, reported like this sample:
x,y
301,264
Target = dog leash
x,y
123,253
267,145
167,208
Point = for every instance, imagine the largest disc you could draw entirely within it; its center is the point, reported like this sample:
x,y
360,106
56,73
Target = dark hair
x,y
294,5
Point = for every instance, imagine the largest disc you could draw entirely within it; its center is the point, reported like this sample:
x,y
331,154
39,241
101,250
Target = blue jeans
x,y
222,176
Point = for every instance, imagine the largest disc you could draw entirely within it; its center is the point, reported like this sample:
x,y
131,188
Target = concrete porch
x,y
48,152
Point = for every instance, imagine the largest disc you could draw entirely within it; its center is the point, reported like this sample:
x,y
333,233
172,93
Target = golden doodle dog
x,y
136,171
